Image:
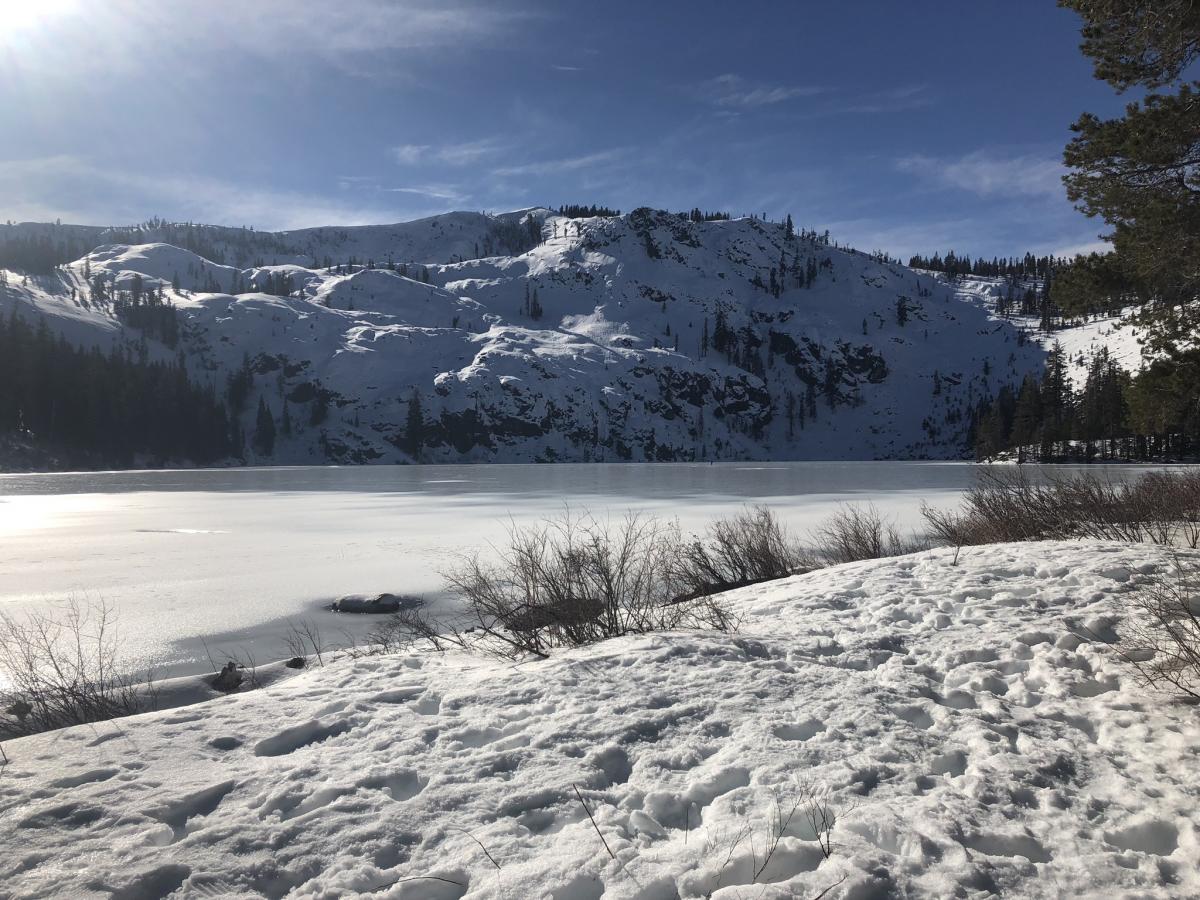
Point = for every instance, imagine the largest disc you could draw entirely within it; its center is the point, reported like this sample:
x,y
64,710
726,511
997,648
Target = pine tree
x,y
1027,417
264,429
414,427
1139,171
319,410
1056,399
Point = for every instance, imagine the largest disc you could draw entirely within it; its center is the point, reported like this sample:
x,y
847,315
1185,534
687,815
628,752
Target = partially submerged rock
x,y
228,679
374,603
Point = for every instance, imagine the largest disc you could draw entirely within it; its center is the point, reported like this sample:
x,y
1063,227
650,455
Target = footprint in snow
x,y
90,777
915,716
158,882
403,785
801,731
292,739
176,813
953,764
399,695
68,815
614,765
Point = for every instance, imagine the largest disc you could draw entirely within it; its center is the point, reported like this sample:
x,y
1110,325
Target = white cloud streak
x,y
557,166
988,175
78,191
447,192
730,91
463,154
339,31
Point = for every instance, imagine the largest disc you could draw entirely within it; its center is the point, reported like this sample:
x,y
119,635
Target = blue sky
x,y
899,126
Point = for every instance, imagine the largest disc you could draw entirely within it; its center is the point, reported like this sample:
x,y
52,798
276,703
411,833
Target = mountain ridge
x,y
647,336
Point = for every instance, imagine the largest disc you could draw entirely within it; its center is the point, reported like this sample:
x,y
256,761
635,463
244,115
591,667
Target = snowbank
x,y
972,736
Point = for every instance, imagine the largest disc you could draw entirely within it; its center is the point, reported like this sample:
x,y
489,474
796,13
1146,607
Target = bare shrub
x,y
821,816
801,810
780,818
573,580
747,548
1170,503
857,532
1004,506
1161,638
63,671
408,629
303,639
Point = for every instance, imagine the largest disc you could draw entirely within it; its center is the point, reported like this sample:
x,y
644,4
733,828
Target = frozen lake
x,y
231,555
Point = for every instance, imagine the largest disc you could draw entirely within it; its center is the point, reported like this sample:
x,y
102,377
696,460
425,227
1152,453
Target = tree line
x,y
1113,415
579,211
107,409
1140,173
39,254
1028,266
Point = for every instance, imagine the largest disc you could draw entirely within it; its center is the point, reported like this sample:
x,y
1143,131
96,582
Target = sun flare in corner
x,y
20,17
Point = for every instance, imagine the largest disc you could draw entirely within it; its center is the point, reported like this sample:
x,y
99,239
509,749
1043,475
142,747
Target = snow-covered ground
x,y
967,724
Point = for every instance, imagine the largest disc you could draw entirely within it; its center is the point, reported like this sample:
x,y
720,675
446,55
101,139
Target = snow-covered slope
x,y
435,239
658,338
970,730
1119,335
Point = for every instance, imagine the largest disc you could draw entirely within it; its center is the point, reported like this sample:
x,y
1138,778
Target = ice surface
x,y
227,555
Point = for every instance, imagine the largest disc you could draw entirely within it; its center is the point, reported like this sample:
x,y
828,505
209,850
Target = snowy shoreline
x,y
964,723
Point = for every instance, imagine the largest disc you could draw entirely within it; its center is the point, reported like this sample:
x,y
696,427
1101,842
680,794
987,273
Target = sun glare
x,y
21,16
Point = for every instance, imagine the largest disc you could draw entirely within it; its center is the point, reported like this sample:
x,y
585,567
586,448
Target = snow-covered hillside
x,y
645,336
436,239
1119,335
967,726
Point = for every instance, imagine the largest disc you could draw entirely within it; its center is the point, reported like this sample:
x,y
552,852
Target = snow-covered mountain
x,y
647,336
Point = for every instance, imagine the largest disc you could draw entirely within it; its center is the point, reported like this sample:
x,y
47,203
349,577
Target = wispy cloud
x,y
898,99
988,174
730,91
1083,247
564,164
567,68
1039,231
462,154
448,192
356,37
78,191
350,34
907,238
733,94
